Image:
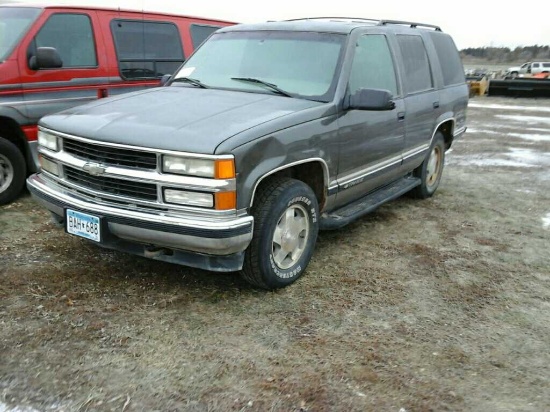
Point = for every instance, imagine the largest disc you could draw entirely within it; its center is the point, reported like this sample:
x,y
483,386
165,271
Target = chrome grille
x,y
110,155
109,185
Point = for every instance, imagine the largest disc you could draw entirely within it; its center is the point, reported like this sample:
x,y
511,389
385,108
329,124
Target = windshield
x,y
14,22
299,64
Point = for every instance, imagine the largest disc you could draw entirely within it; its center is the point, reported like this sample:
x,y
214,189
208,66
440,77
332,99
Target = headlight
x,y
218,169
48,165
184,197
47,140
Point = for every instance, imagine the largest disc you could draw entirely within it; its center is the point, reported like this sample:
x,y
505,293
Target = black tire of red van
x,y
13,171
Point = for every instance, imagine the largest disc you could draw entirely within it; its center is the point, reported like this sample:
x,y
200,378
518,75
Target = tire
x,y
513,75
431,169
285,232
13,171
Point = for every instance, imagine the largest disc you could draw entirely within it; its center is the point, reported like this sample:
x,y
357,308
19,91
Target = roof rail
x,y
378,22
411,24
358,19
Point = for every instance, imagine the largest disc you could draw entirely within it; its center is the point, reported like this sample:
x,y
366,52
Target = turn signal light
x,y
225,200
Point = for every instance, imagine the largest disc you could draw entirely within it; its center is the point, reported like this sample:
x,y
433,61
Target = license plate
x,y
83,225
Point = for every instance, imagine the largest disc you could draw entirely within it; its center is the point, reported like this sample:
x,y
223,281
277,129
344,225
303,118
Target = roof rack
x,y
411,24
357,19
378,22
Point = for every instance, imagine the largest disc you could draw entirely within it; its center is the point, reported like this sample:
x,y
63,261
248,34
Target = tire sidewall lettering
x,y
297,269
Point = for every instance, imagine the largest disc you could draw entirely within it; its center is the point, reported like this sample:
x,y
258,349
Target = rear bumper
x,y
212,244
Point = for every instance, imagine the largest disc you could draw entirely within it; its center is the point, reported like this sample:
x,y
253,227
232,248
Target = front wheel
x,y
12,171
285,232
431,169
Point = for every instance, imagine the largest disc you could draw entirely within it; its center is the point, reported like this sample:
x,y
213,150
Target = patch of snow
x,y
524,119
506,107
526,191
6,408
546,221
516,157
485,131
532,137
530,156
482,162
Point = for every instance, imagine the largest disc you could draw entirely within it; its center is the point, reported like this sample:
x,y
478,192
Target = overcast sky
x,y
472,24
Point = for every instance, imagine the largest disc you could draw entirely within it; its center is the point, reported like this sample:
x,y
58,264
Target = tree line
x,y
507,55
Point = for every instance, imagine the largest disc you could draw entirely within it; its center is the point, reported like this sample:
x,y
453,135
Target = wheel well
x,y
10,131
447,129
311,173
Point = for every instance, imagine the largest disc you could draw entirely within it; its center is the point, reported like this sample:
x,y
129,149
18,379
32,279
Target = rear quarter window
x,y
448,57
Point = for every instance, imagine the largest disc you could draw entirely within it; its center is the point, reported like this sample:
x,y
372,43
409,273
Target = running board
x,y
347,214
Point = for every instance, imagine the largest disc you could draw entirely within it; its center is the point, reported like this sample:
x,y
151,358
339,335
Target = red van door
x,y
81,73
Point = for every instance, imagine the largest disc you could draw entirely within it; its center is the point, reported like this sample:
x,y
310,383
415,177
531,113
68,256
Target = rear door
x,y
371,142
422,105
83,73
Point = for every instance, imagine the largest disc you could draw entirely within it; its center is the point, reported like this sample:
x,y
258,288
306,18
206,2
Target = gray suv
x,y
266,134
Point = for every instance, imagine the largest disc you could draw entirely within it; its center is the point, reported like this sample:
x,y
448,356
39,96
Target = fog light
x,y
183,197
48,165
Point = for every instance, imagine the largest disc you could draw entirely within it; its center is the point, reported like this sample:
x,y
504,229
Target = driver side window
x,y
372,66
72,36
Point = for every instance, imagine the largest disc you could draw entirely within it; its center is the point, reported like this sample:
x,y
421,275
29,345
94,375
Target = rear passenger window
x,y
546,65
147,49
372,66
72,37
448,57
200,33
418,76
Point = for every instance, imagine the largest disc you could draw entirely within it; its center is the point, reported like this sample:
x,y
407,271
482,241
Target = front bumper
x,y
211,244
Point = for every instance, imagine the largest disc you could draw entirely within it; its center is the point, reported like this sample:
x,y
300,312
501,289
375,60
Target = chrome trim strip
x,y
416,151
48,101
299,162
361,174
137,148
79,81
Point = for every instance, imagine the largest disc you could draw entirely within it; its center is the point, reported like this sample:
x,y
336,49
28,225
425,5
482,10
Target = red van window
x,y
72,37
200,33
147,49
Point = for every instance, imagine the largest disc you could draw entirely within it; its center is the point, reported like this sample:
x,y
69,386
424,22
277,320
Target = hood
x,y
174,118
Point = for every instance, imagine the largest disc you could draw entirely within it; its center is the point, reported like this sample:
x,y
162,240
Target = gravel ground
x,y
437,305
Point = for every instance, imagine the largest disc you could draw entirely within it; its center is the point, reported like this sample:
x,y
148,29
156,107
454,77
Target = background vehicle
x,y
529,68
267,134
53,58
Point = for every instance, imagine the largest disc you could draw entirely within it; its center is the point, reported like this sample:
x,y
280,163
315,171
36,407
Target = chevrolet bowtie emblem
x,y
95,169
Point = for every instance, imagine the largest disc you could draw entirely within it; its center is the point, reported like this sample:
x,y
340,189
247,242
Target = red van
x,y
53,58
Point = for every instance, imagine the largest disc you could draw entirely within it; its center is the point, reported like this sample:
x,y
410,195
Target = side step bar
x,y
347,214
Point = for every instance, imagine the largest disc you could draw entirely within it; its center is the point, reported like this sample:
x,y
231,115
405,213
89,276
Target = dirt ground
x,y
441,304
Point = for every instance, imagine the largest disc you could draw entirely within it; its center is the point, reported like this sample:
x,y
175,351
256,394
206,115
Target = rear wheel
x,y
285,232
431,169
12,171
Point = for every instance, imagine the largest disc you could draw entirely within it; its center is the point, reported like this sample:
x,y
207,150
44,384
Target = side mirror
x,y
165,79
371,99
45,58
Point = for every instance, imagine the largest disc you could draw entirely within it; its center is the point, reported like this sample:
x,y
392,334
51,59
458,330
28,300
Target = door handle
x,y
401,116
436,105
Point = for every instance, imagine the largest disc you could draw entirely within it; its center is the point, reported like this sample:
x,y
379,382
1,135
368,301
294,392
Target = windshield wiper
x,y
194,82
271,86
